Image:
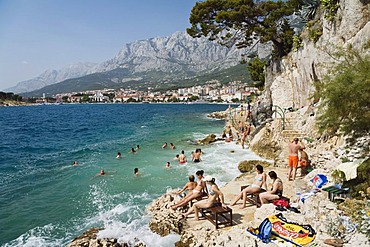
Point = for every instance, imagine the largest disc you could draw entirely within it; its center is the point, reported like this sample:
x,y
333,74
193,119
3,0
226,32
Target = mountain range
x,y
157,63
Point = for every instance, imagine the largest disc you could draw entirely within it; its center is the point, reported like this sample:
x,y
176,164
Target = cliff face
x,y
289,83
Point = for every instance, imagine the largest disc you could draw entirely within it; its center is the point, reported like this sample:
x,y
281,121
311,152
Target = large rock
x,y
89,239
264,145
164,219
250,165
209,139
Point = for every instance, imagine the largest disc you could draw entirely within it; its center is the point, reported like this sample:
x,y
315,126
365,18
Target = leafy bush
x,y
331,8
256,69
297,42
314,29
345,95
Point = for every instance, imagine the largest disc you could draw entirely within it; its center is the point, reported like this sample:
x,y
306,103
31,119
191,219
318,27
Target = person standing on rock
x,y
246,133
294,147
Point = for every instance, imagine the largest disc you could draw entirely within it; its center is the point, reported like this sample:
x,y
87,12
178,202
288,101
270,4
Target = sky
x,y
37,35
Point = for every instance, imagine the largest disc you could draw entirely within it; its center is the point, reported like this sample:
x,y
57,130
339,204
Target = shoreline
x,y
317,212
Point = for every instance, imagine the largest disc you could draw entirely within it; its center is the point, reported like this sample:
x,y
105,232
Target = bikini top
x,y
278,191
200,182
257,178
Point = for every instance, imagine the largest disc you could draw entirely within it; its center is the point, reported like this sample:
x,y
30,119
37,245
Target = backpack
x,y
264,230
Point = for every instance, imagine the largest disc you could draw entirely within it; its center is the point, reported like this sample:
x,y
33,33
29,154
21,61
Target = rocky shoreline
x,y
317,211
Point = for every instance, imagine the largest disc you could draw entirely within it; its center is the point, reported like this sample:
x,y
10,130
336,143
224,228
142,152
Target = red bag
x,y
282,203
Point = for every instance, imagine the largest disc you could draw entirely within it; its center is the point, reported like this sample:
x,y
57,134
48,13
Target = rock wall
x,y
289,83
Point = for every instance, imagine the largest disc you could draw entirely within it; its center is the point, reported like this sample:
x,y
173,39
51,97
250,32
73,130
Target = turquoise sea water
x,y
45,201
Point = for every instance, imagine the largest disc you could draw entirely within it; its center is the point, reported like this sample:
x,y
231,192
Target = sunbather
x,y
215,197
189,186
258,184
276,191
197,192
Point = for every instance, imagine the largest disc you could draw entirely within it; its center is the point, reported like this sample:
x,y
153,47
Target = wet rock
x,y
164,219
250,165
209,139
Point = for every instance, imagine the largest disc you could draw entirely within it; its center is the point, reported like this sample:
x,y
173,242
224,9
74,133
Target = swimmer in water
x,y
132,150
164,145
75,163
136,172
119,155
168,164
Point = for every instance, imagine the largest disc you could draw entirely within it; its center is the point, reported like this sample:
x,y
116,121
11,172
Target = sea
x,y
47,201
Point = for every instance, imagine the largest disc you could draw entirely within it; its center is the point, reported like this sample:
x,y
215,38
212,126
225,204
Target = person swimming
x,y
182,157
136,172
172,146
119,155
75,163
164,145
168,164
132,150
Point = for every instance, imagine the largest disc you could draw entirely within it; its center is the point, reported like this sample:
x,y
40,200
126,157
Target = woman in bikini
x,y
215,197
199,190
258,184
276,191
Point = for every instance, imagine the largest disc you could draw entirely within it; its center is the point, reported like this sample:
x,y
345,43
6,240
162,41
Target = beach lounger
x,y
218,215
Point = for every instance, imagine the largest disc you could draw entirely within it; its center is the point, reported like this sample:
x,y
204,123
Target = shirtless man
x,y
182,157
189,186
293,157
196,156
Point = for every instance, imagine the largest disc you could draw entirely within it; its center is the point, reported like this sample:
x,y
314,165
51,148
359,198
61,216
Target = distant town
x,y
212,91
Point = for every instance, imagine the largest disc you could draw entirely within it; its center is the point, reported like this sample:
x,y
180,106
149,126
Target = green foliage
x,y
10,96
361,183
239,22
345,95
314,29
331,8
338,176
367,45
129,100
256,69
193,98
297,42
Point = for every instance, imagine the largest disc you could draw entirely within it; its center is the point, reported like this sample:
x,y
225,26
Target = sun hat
x,y
208,178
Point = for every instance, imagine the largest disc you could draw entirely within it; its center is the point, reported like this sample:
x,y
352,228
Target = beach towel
x,y
350,168
319,180
286,231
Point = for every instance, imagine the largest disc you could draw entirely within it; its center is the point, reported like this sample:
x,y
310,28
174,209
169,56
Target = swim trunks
x,y
293,161
196,160
182,162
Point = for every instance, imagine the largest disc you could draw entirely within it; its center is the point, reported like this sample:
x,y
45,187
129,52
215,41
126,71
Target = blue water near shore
x,y
45,201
